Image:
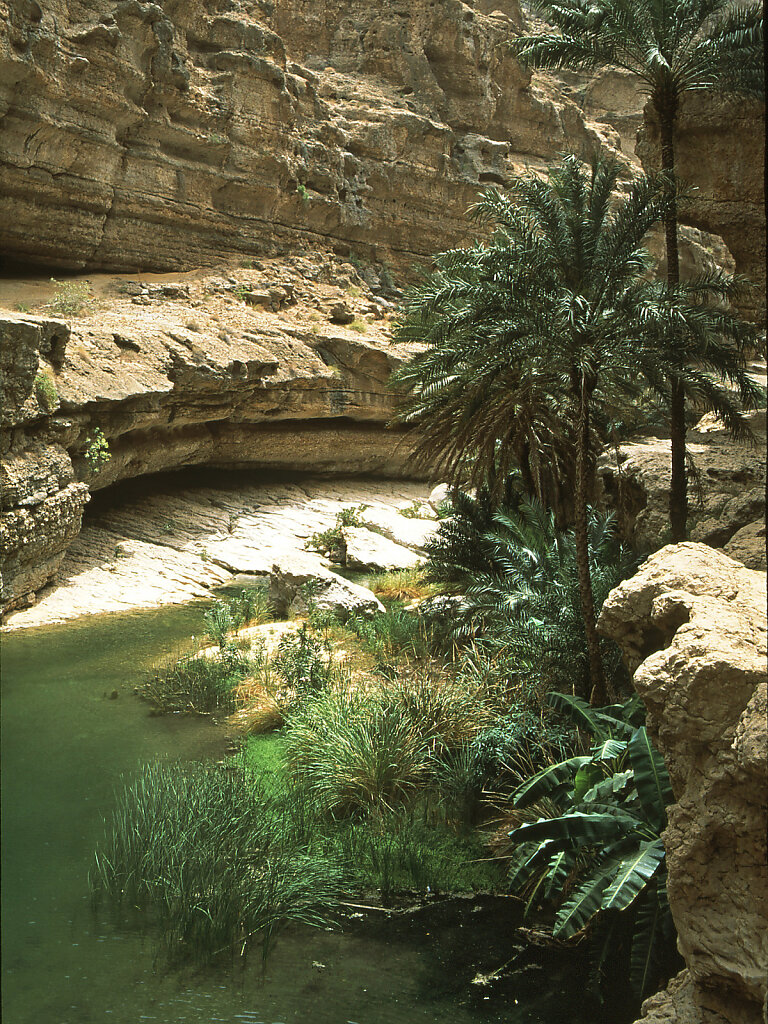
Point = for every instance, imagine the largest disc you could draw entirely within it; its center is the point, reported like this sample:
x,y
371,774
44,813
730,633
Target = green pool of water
x,y
65,743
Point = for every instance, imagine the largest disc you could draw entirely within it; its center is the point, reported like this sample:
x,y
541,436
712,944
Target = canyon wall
x,y
692,626
253,370
142,135
166,136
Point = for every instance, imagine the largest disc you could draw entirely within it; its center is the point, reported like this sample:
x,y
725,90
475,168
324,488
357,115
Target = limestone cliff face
x,y
692,626
139,135
243,371
719,155
727,493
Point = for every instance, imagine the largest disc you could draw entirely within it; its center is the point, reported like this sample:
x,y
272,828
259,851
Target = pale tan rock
x,y
200,133
366,550
295,588
692,625
180,543
719,151
196,377
407,531
728,494
747,545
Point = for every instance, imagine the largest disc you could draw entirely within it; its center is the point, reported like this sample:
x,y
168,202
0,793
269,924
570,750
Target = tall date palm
x,y
525,336
674,47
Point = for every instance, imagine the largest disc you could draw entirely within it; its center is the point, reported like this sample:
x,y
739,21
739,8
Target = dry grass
x,y
402,585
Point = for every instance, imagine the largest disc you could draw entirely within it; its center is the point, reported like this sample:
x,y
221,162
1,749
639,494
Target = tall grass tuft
x,y
401,585
196,684
392,636
203,851
355,753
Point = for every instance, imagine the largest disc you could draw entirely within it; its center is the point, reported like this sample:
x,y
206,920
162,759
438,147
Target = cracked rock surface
x,y
692,625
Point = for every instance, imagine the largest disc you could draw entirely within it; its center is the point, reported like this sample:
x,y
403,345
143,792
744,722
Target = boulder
x,y
408,532
692,626
747,545
371,552
293,589
439,495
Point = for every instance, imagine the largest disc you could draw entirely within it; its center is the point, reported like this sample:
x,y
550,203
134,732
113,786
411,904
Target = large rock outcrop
x,y
138,135
726,492
244,371
692,626
720,154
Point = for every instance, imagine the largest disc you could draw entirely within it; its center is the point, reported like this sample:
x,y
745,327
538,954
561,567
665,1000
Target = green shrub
x,y
251,607
196,684
45,391
406,854
392,635
96,451
71,298
446,711
331,539
220,620
304,661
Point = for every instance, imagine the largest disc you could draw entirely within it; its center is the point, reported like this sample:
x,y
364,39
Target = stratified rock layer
x,y
136,135
692,626
139,135
190,373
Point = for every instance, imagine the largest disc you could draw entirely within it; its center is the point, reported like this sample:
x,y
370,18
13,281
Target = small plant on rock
x,y
331,539
45,391
71,298
96,452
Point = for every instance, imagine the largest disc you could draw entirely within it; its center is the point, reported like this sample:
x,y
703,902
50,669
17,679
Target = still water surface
x,y
65,743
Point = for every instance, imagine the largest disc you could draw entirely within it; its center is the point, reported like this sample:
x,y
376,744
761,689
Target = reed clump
x,y
208,856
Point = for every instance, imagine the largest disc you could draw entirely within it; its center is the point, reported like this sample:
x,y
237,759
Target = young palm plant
x,y
674,47
599,848
525,336
524,609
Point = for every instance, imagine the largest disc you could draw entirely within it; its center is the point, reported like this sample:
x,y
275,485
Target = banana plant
x,y
598,846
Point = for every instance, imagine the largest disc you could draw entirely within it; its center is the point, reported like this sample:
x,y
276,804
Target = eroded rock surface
x,y
188,373
180,541
726,497
692,625
166,136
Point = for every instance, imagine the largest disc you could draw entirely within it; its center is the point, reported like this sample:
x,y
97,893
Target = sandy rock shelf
x,y
176,546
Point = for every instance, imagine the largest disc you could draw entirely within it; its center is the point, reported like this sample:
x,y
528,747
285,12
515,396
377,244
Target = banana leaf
x,y
526,861
653,941
579,909
579,712
651,778
634,874
577,829
547,780
608,787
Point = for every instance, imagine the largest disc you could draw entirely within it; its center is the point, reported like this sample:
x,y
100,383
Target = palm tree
x,y
674,47
525,336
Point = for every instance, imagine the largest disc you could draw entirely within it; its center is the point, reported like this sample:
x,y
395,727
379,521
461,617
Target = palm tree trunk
x,y
678,489
597,693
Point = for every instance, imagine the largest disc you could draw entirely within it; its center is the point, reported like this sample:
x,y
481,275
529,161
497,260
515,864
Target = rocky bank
x,y
692,626
281,366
